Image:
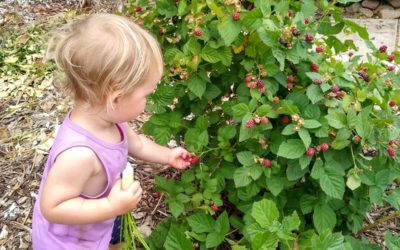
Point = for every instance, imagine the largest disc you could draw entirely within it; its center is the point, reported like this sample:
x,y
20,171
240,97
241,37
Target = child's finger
x,y
134,187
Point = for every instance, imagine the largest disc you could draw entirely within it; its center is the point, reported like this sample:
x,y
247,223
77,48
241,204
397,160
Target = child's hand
x,y
124,200
178,158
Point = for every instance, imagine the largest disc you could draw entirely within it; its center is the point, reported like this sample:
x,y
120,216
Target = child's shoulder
x,y
77,156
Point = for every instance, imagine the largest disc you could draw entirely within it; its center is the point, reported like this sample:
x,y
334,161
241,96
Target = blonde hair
x,y
103,53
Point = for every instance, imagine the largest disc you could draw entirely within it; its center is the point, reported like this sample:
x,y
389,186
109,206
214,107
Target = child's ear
x,y
116,97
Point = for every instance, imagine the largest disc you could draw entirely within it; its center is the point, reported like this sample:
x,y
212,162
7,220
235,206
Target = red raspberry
x,y
138,8
198,32
383,48
156,195
260,83
391,152
161,30
290,13
261,89
195,159
264,120
275,99
290,78
392,103
390,57
324,146
306,20
267,163
314,67
214,207
253,85
236,16
289,86
319,49
285,119
250,123
310,152
247,79
393,143
317,81
308,37
335,88
391,68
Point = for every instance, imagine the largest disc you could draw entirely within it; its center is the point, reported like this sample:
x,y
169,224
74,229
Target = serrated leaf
x,y
177,240
228,29
324,218
201,223
265,212
210,54
314,93
291,149
242,177
332,183
197,86
305,137
310,124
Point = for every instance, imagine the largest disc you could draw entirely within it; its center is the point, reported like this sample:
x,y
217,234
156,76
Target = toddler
x,y
110,66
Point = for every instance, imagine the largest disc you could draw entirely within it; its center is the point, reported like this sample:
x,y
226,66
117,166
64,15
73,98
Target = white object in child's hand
x,y
127,176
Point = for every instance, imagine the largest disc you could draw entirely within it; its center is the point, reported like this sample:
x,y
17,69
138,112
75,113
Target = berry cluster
x,y
290,81
287,35
336,92
299,122
371,152
192,158
254,82
364,76
319,49
392,145
257,120
312,150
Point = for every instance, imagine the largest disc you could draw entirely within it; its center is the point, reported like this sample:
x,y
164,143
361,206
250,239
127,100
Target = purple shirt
x,y
52,236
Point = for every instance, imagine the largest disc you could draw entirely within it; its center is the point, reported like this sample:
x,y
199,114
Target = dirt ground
x,y
27,129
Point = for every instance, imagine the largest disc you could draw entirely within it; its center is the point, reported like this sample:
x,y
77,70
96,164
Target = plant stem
x,y
378,222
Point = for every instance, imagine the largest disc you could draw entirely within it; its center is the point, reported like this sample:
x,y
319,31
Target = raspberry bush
x,y
294,146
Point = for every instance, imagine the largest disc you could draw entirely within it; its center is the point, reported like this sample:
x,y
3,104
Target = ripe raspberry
x,y
138,8
275,99
390,58
314,67
264,120
290,78
391,152
214,207
247,79
253,85
319,49
310,152
260,83
383,48
198,32
393,143
236,16
195,159
324,146
261,89
317,81
267,163
309,37
290,13
250,123
306,20
335,88
391,68
289,86
392,103
156,195
285,119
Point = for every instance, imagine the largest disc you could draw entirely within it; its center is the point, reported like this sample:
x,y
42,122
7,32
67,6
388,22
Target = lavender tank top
x,y
51,236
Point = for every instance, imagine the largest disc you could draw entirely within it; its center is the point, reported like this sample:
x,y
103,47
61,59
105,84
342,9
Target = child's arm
x,y
143,148
60,200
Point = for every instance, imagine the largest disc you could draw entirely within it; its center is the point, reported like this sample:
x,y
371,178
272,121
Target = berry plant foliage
x,y
292,145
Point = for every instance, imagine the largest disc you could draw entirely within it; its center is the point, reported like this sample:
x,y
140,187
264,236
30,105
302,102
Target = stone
x,y
389,14
353,8
394,3
370,4
366,12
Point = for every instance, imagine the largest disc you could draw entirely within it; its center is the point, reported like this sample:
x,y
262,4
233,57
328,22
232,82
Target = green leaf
x,y
252,19
392,240
245,158
214,239
177,240
327,240
265,212
314,93
362,32
336,119
228,29
291,222
318,169
197,86
304,161
222,225
332,183
363,125
311,124
241,109
291,149
307,203
176,208
324,218
201,223
242,177
210,54
308,8
353,180
280,57
275,185
288,130
340,144
305,137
